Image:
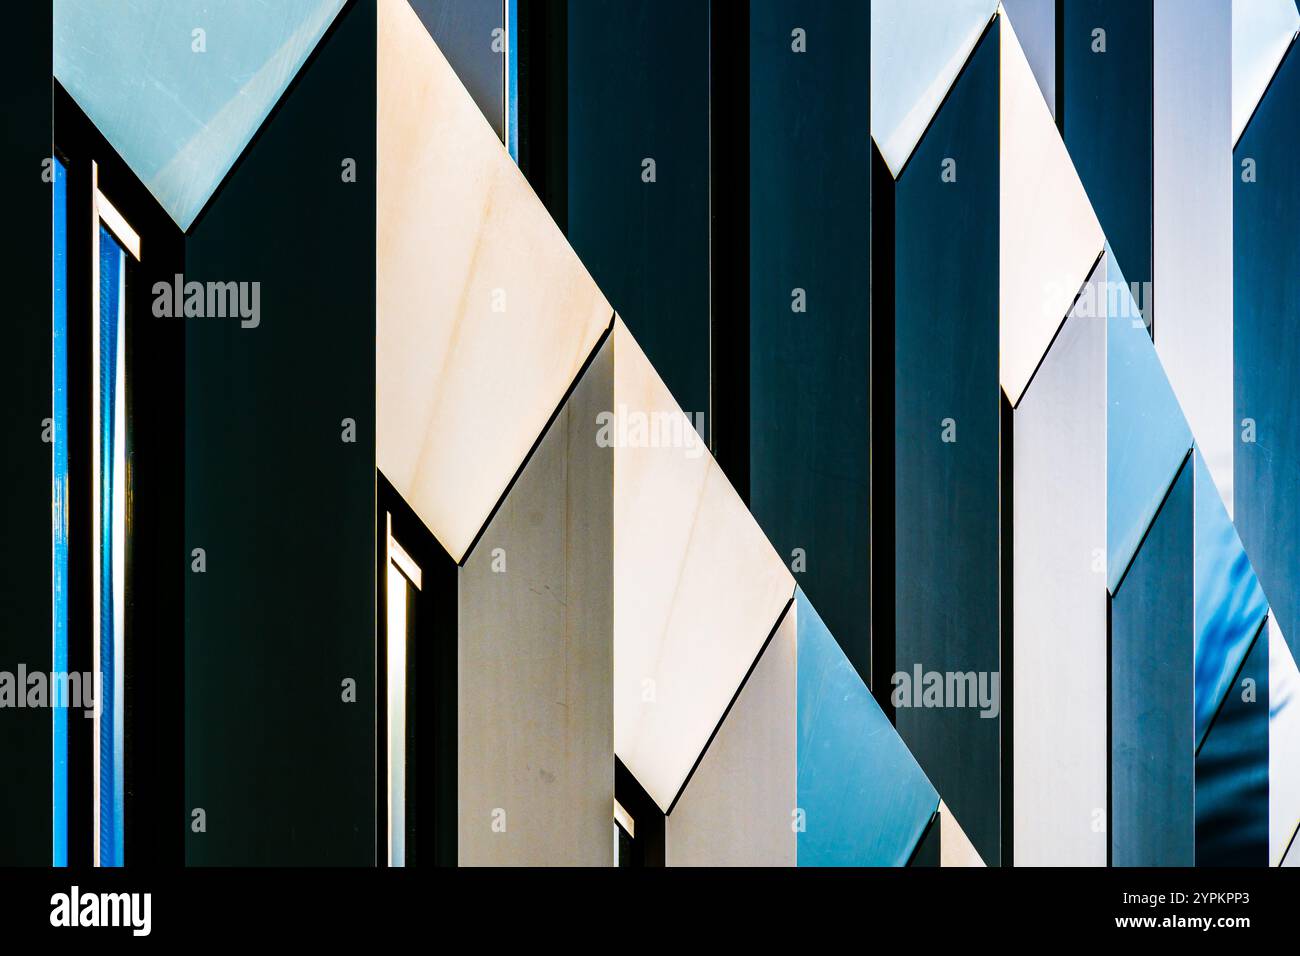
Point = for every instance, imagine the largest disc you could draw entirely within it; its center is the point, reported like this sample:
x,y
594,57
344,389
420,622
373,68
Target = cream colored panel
x,y
1048,233
737,808
954,847
535,648
484,313
697,587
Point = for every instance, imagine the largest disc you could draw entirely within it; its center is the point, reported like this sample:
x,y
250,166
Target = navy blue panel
x,y
810,224
1266,350
639,89
1232,770
283,507
1105,106
946,523
1152,716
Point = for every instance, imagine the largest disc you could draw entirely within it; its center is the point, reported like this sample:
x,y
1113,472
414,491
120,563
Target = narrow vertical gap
x,y
1110,781
1006,668
881,433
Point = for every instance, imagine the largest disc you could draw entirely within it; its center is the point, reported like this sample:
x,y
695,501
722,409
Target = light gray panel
x,y
736,809
535,657
1191,239
1060,599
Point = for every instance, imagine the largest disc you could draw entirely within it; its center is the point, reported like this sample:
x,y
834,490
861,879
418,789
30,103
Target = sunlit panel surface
x,y
179,88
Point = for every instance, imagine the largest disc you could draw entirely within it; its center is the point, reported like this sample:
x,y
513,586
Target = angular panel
x,y
697,588
810,222
535,662
737,808
1229,603
1104,108
1152,745
1283,747
1262,31
1266,383
485,315
1035,24
1147,436
864,800
1060,598
464,32
179,88
954,847
918,47
1191,240
1049,237
947,440
1232,770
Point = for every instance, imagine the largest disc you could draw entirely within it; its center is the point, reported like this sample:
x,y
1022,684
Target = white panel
x,y
1060,598
736,809
1261,32
917,49
484,313
1049,235
1283,747
1192,227
697,587
1035,22
955,849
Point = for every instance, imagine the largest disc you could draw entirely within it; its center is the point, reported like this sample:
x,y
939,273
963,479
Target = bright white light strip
x,y
405,563
106,214
127,237
624,819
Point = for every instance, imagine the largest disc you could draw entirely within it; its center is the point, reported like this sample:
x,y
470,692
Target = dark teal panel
x,y
1105,107
865,801
810,225
947,497
1266,351
1232,770
283,507
1152,712
26,544
639,89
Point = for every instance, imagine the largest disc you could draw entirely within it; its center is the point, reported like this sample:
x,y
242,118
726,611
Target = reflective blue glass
x,y
60,500
1230,604
865,801
112,325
